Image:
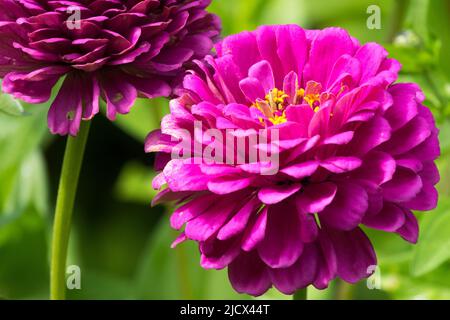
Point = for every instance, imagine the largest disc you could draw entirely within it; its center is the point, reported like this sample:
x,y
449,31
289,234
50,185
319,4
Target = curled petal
x,y
248,274
354,254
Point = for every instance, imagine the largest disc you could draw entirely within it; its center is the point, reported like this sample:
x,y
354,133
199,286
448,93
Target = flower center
x,y
274,105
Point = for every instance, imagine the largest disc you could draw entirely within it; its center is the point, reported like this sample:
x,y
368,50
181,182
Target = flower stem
x,y
301,294
73,158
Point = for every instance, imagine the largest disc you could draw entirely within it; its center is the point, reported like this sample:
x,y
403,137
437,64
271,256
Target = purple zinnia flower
x,y
354,149
114,49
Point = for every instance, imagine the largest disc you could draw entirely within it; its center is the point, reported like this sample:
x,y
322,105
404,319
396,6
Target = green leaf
x,y
391,249
412,58
26,189
275,12
159,275
33,183
20,136
134,183
433,285
246,12
24,270
22,173
434,241
417,18
10,106
144,117
166,273
439,26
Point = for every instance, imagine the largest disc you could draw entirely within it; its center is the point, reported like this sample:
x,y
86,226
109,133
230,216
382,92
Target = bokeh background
x,y
122,244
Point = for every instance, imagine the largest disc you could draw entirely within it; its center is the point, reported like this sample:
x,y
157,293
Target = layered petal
x,y
317,140
122,50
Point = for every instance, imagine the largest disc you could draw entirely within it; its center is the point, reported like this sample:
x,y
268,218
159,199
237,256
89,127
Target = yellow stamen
x,y
343,88
312,93
276,99
278,119
311,98
274,103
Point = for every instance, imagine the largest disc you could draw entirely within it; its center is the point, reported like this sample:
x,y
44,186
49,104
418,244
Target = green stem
x,y
73,158
301,294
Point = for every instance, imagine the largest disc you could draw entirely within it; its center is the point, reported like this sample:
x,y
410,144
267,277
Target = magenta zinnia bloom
x,y
354,149
117,50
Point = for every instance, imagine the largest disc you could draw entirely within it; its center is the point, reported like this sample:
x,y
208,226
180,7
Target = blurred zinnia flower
x,y
117,50
354,149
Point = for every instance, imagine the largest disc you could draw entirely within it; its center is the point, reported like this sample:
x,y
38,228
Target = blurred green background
x,y
122,244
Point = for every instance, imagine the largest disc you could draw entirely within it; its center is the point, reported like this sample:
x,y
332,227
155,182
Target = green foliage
x,y
23,206
432,249
9,105
23,252
144,117
134,183
166,273
22,173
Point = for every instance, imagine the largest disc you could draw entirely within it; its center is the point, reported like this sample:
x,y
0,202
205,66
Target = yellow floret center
x,y
274,104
